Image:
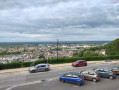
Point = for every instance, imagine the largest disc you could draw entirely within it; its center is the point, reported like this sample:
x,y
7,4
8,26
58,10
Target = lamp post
x,y
57,49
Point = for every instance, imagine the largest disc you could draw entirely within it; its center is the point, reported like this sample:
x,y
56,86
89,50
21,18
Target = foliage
x,y
111,48
13,65
26,64
8,53
54,61
86,53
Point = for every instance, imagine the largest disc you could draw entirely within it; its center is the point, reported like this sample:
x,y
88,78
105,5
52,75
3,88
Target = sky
x,y
67,20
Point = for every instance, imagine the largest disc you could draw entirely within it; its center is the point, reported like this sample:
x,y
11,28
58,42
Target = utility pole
x,y
57,49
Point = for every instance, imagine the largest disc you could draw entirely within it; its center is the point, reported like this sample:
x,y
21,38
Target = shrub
x,y
26,64
13,65
2,66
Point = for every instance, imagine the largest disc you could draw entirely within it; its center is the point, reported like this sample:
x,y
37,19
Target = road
x,y
49,80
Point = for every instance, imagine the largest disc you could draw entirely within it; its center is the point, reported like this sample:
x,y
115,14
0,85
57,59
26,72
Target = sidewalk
x,y
51,65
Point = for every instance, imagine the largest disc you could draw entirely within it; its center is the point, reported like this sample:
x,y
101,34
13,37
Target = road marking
x,y
76,86
23,84
35,82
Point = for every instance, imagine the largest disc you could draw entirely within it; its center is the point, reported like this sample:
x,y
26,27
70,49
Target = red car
x,y
79,63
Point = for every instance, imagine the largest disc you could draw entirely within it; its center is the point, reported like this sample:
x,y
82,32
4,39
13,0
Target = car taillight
x,y
113,73
97,76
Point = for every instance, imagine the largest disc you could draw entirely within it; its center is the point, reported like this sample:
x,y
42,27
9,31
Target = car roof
x,y
90,70
76,73
81,60
108,68
42,64
115,66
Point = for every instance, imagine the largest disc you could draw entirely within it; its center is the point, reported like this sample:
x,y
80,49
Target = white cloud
x,y
27,20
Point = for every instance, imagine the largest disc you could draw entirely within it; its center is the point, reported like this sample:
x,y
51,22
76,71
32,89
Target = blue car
x,y
72,77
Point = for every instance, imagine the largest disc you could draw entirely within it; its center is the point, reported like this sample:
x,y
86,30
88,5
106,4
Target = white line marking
x,y
23,84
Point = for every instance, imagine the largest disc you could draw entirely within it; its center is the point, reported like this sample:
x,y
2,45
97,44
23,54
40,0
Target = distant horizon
x,y
54,41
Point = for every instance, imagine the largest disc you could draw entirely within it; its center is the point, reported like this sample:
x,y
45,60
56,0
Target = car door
x,y
101,72
85,74
80,63
106,73
68,78
90,75
74,78
38,68
43,67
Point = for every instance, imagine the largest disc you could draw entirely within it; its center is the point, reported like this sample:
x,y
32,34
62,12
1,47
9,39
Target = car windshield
x,y
78,61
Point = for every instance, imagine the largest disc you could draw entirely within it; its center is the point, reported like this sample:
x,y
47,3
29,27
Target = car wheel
x,y
46,69
76,65
110,77
94,80
62,80
33,71
78,83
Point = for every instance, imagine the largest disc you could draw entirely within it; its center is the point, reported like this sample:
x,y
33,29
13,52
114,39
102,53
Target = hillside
x,y
112,48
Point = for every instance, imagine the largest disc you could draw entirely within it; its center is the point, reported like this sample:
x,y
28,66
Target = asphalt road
x,y
104,84
49,80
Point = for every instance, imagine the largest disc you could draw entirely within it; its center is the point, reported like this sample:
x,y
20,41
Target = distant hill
x,y
112,48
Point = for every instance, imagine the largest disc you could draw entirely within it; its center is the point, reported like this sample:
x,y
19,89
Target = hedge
x,y
54,61
2,66
13,65
26,64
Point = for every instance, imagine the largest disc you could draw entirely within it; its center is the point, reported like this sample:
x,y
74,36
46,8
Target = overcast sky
x,y
68,20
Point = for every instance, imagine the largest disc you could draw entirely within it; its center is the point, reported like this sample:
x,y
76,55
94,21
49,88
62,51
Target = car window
x,y
43,66
77,61
105,70
75,76
85,72
115,68
101,70
67,75
97,69
91,73
38,67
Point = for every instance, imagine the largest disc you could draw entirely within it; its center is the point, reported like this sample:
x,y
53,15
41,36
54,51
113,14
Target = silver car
x,y
39,67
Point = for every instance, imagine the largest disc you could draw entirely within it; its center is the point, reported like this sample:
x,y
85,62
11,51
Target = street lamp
x,y
57,49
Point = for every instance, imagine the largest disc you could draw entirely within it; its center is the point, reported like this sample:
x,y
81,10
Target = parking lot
x,y
104,84
50,80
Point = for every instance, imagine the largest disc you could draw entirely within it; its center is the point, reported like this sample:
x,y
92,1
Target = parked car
x,y
90,75
106,72
115,69
72,77
39,67
79,63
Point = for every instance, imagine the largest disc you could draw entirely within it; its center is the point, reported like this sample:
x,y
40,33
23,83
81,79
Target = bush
x,y
54,61
13,65
2,66
26,64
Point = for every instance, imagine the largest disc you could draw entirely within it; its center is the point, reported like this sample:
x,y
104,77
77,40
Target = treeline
x,y
54,61
111,48
86,53
8,53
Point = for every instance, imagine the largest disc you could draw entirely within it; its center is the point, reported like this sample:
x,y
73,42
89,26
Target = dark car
x,y
79,63
72,77
106,72
90,75
115,69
